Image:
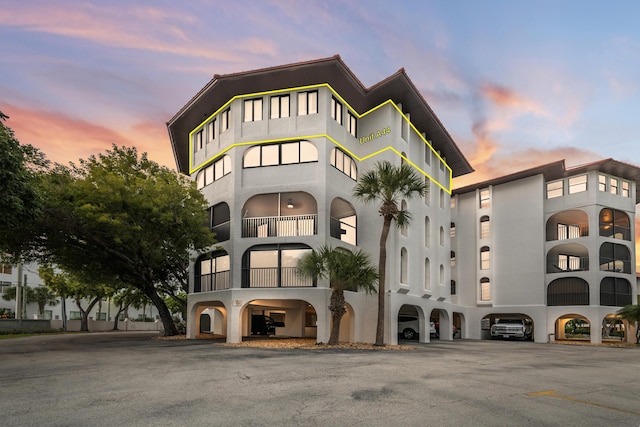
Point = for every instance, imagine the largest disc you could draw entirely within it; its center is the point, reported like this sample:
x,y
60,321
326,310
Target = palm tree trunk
x,y
336,306
382,270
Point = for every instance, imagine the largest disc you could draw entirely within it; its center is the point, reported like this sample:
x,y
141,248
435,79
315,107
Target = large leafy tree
x,y
346,271
122,217
80,290
388,185
41,295
20,204
631,313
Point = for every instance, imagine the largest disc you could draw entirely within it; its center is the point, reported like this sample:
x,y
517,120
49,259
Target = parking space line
x,y
552,393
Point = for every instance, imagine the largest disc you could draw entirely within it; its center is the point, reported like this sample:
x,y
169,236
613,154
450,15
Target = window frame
x,y
337,110
254,113
352,124
279,106
261,148
576,186
308,100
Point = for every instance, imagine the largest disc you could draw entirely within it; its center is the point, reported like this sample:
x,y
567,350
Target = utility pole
x,y
19,293
24,297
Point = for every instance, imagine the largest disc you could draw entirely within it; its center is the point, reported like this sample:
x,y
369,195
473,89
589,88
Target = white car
x,y
409,325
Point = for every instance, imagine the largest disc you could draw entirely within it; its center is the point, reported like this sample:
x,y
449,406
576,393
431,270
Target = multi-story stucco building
x,y
549,243
277,152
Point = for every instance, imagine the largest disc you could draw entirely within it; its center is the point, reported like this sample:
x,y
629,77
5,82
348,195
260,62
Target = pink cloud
x,y
63,138
144,28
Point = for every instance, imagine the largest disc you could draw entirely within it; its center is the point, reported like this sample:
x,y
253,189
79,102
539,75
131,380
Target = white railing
x,y
278,226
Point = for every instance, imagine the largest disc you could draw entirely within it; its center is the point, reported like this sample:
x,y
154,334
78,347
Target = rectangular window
x,y
253,110
613,185
307,103
279,106
602,183
485,290
198,140
625,189
225,120
5,268
211,131
569,262
452,202
74,315
485,198
351,124
555,189
485,260
578,184
568,231
336,110
485,228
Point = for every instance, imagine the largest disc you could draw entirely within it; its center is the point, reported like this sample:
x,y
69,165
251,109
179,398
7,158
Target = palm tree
x,y
43,296
389,185
346,271
631,313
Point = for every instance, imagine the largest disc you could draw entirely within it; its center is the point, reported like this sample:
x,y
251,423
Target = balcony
x,y
568,264
280,215
274,277
280,226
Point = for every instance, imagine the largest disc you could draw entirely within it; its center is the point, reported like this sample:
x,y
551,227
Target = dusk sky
x,y
517,84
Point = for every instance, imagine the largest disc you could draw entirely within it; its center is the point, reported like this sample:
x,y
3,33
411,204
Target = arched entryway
x,y
573,327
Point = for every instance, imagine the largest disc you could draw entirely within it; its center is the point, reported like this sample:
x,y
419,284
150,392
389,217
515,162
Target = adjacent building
x,y
277,152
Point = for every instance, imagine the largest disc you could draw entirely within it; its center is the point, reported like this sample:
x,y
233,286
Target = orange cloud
x,y
66,139
504,97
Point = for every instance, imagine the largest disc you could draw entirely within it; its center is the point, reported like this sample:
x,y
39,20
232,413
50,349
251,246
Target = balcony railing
x,y
615,265
564,265
212,282
274,277
278,226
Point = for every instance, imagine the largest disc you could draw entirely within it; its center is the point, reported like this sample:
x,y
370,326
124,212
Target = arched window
x,y
274,266
212,272
441,236
485,227
441,274
427,274
442,198
345,164
343,221
403,265
614,224
568,291
615,257
565,225
213,172
284,153
427,232
485,289
485,258
404,228
220,221
615,291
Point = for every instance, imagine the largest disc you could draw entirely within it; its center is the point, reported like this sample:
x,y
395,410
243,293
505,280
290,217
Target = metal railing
x,y
278,226
212,282
568,265
274,277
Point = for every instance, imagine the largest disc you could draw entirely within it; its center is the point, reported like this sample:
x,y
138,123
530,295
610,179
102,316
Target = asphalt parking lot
x,y
130,379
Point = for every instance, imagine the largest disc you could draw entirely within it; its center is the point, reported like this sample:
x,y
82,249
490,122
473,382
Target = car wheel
x,y
409,334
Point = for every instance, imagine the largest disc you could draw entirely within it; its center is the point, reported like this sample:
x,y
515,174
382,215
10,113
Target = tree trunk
x,y
121,309
336,306
84,314
382,269
165,315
